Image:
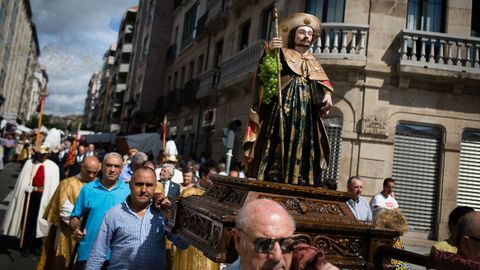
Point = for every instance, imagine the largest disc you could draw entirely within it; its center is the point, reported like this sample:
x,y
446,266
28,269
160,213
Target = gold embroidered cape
x,y
57,256
192,258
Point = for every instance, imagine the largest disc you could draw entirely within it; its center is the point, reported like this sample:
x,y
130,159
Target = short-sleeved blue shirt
x,y
98,200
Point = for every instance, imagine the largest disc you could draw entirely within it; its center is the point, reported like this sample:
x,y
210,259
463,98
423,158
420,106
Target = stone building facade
x,y
118,78
406,76
19,51
91,100
143,101
106,81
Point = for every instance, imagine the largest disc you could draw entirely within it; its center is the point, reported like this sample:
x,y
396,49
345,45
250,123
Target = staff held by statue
x,y
279,85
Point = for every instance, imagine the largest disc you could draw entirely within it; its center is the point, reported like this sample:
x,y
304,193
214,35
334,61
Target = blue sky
x,y
74,36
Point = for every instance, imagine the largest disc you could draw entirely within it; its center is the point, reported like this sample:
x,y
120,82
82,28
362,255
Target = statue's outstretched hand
x,y
275,43
327,100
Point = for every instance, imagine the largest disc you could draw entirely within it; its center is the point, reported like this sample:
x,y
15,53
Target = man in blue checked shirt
x,y
94,200
359,206
134,231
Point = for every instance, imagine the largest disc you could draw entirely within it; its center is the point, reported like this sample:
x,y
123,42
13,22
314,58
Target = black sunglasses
x,y
265,245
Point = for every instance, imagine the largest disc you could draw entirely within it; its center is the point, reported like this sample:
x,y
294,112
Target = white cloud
x,y
74,36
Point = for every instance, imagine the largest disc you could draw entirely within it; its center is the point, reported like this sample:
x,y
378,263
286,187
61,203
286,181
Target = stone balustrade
x,y
440,51
341,41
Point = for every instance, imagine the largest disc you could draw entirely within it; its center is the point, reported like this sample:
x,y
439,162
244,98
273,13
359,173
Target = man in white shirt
x,y
385,198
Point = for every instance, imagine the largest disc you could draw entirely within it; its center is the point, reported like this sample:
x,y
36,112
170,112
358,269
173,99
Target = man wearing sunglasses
x,y
94,200
263,236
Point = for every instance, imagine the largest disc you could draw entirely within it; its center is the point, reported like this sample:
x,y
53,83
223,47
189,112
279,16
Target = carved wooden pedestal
x,y
323,219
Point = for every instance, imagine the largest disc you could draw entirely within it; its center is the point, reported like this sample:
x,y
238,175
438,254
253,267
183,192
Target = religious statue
x,y
285,139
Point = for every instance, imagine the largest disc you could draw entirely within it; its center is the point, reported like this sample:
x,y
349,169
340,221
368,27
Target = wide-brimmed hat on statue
x,y
296,20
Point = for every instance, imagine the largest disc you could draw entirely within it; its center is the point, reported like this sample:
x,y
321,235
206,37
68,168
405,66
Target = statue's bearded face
x,y
303,36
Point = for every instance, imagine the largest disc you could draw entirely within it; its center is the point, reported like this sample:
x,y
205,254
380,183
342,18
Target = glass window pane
x,y
315,7
334,11
475,19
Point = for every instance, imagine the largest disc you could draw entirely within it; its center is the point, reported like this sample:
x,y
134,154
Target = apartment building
x,y
143,107
19,51
92,95
406,75
100,115
121,68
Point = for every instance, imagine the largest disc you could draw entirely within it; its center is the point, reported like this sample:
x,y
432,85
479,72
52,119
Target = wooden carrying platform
x,y
322,216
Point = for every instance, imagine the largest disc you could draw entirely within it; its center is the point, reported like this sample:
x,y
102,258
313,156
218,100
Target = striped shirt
x,y
135,242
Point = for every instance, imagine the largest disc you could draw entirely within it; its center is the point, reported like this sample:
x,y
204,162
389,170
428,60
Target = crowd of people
x,y
460,250
111,214
83,208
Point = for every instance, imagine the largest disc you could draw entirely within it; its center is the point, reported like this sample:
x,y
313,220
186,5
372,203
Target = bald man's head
x,y
142,186
263,230
90,168
261,210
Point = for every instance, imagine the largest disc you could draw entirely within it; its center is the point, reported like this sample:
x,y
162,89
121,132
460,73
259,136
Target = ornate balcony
x,y
208,81
342,44
217,15
241,66
439,54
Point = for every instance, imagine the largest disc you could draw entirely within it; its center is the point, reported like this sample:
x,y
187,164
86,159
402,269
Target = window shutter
x,y
469,171
334,133
415,170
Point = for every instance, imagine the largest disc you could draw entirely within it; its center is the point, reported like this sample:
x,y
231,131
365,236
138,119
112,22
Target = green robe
x,y
306,150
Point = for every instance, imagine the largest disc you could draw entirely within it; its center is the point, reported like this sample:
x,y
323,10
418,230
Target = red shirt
x,y
39,178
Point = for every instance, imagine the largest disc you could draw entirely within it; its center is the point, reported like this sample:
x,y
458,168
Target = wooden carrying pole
x,y
37,145
280,105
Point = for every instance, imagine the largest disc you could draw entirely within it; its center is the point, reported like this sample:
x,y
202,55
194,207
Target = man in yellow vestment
x,y
56,252
191,258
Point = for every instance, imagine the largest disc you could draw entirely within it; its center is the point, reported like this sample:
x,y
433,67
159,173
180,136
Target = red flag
x,y
40,104
71,154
